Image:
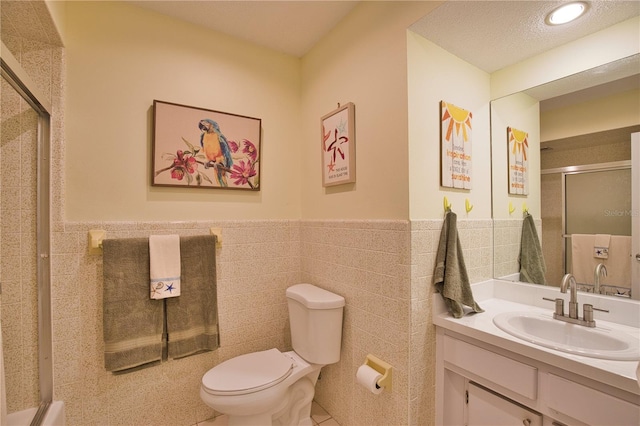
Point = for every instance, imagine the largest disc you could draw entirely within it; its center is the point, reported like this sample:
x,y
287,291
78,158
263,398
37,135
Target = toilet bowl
x,y
273,387
252,389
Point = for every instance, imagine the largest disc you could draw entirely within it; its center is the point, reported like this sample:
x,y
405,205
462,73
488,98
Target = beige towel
x,y
192,318
132,323
582,261
601,246
450,276
164,266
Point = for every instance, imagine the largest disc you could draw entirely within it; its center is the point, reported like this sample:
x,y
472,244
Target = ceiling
x,y
494,34
488,34
291,27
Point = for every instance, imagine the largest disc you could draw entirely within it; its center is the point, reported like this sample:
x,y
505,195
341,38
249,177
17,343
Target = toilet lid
x,y
248,373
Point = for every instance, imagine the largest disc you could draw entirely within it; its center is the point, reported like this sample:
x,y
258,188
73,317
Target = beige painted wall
x,y
119,59
435,75
606,113
113,47
362,61
521,112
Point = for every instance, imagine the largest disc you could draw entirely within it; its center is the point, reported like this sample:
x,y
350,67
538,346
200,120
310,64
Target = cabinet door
x,y
490,409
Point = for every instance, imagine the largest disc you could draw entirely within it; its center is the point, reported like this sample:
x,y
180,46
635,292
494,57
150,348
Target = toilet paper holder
x,y
381,367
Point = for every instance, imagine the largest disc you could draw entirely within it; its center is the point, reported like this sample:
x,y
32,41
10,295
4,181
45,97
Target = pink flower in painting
x,y
183,164
191,165
177,173
250,149
242,172
233,146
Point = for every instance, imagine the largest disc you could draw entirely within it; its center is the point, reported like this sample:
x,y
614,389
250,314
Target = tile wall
x,y
385,271
368,262
258,261
382,268
506,237
475,238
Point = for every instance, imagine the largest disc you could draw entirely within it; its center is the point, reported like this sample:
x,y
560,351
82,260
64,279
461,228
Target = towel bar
x,y
97,235
218,233
95,240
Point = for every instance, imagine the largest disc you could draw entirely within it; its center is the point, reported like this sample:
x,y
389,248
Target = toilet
x,y
276,388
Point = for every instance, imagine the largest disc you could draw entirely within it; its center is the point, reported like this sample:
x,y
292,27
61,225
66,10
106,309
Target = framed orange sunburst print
x,y
455,146
338,144
518,145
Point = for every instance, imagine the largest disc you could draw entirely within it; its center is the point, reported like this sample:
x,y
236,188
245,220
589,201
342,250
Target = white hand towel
x,y
164,266
601,246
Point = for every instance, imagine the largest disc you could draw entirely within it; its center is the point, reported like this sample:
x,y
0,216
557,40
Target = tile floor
x,y
319,416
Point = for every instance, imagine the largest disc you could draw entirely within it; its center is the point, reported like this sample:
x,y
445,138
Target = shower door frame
x,y
14,74
571,170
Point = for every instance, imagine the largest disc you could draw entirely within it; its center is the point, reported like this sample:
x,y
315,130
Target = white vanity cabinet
x,y
481,384
487,376
484,408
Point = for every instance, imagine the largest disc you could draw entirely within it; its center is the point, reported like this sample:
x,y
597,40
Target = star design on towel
x,y
170,288
599,252
158,287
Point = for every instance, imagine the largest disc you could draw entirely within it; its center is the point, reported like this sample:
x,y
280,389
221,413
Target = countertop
x,y
496,296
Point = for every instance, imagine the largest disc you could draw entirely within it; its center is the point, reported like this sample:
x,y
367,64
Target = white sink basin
x,y
543,330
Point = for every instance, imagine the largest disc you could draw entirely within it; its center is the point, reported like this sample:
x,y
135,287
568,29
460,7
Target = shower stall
x,y
25,292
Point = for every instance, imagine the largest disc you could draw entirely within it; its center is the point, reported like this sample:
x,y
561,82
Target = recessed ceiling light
x,y
566,13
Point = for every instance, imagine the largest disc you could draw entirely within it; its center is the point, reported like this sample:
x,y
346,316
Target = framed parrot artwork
x,y
203,148
338,145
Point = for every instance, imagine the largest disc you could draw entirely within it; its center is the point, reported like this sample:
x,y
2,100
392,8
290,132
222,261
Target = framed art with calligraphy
x,y
338,146
202,148
455,146
518,144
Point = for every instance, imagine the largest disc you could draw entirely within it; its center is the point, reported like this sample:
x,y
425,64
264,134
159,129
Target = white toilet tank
x,y
315,315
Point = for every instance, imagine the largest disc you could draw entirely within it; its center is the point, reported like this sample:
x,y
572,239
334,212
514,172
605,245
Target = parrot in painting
x,y
216,149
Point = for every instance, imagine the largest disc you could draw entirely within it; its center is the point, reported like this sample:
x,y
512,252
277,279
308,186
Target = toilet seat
x,y
248,373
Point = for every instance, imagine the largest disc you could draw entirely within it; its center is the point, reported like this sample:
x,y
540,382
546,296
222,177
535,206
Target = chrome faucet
x,y
600,270
573,300
587,319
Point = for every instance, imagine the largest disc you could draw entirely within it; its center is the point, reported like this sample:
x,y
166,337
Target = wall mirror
x,y
579,185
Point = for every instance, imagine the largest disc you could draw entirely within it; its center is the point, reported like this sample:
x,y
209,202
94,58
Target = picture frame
x,y
196,147
338,146
518,145
455,146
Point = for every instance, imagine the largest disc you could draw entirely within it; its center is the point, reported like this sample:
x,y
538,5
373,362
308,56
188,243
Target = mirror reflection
x,y
580,177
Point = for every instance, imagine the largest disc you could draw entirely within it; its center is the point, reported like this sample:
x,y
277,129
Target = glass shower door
x,y
25,269
18,251
596,202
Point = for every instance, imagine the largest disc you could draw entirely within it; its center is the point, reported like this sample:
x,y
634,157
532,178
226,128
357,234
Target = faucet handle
x,y
588,313
559,305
